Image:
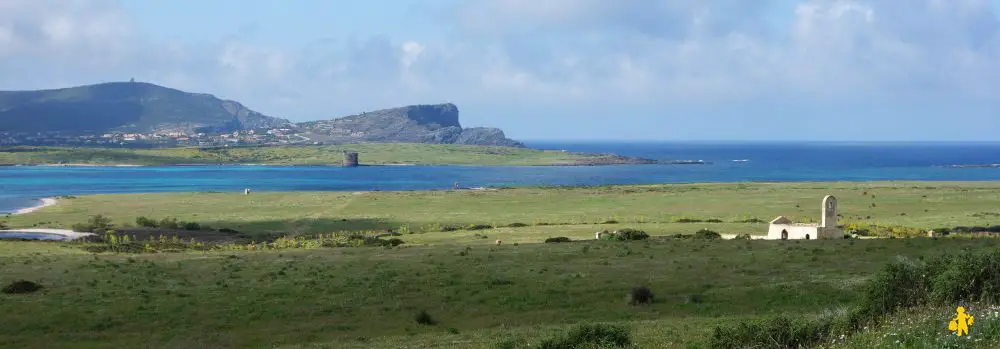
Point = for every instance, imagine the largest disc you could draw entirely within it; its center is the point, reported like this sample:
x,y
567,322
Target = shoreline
x,y
66,234
44,202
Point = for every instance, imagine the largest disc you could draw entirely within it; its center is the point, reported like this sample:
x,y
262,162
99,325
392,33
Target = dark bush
x,y
707,234
169,223
610,221
145,222
449,228
687,220
21,287
753,220
777,332
227,230
627,234
557,239
590,336
394,242
191,226
424,318
478,227
641,295
713,220
743,237
516,225
97,223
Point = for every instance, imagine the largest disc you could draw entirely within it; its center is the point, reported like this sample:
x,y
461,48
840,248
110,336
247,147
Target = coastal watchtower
x,y
350,159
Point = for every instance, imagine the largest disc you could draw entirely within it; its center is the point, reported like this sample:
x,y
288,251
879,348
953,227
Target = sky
x,y
720,70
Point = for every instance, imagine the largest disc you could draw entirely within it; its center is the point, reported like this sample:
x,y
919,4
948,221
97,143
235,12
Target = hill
x,y
124,107
410,124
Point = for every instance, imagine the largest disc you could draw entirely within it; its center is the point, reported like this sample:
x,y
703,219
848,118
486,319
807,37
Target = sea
x,y
23,186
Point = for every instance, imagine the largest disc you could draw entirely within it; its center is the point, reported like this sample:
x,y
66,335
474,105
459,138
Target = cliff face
x,y
436,123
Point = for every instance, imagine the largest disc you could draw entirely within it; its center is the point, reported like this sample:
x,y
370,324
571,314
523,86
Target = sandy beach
x,y
46,202
66,234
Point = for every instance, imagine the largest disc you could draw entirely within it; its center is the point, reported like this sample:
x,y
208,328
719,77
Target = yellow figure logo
x,y
960,324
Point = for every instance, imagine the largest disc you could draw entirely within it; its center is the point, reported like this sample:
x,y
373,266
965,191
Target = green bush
x,y
590,335
632,234
478,227
743,237
516,225
169,223
145,222
776,332
191,226
688,220
707,234
97,223
557,239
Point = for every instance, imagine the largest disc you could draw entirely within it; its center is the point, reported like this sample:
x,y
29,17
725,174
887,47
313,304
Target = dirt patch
x,y
21,287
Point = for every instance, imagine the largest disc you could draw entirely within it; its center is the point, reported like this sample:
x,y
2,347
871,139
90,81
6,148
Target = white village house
x,y
784,229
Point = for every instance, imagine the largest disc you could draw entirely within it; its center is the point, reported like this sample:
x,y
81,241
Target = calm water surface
x,y
21,186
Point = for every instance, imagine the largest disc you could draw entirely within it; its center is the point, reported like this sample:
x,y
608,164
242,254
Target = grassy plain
x,y
369,154
481,295
572,212
367,297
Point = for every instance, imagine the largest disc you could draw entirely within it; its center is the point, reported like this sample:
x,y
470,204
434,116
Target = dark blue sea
x,y
21,186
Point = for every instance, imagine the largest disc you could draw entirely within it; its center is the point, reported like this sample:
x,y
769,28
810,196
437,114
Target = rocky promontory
x,y
435,123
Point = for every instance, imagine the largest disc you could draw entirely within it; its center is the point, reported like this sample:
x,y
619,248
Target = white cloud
x,y
630,53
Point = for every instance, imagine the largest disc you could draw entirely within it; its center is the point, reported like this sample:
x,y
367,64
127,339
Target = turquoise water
x,y
21,186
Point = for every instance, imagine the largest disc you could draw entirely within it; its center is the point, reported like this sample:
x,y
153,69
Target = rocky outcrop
x,y
437,124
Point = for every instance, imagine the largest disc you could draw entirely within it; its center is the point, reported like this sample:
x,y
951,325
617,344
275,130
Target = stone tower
x,y
350,159
829,219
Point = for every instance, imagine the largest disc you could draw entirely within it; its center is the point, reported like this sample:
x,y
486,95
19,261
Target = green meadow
x,y
476,293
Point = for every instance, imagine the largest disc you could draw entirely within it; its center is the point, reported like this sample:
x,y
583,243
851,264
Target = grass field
x,y
370,154
480,294
571,212
367,297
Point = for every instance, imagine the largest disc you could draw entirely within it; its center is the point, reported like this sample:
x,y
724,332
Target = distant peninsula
x,y
138,114
137,123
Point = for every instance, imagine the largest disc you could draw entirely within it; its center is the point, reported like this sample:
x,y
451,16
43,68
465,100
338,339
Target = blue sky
x,y
557,69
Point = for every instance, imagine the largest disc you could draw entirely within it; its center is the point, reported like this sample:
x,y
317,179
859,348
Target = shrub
x,y
707,234
449,228
191,226
424,318
145,222
687,220
478,227
743,237
557,239
590,335
641,295
169,223
628,234
713,220
96,223
516,225
898,285
394,242
21,287
610,221
777,332
227,230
